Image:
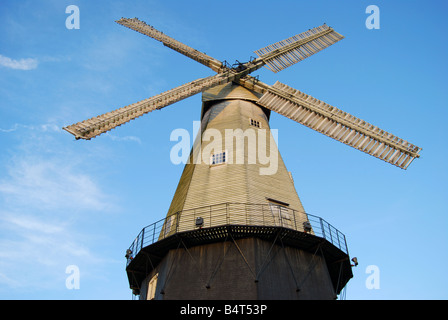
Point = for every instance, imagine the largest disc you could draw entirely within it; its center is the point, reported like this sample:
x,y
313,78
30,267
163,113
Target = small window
x,y
255,123
280,212
218,158
152,287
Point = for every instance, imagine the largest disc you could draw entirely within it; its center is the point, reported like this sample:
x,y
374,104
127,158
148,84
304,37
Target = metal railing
x,y
269,215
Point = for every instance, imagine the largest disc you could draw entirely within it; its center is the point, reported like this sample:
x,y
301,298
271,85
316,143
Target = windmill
x,y
232,232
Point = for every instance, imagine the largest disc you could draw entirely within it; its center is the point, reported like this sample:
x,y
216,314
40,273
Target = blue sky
x,y
65,202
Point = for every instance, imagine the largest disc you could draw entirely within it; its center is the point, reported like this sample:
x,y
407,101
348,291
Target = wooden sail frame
x,y
280,98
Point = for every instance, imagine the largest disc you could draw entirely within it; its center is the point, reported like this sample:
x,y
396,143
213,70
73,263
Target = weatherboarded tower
x,y
236,228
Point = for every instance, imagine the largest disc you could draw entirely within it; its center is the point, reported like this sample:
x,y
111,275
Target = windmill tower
x,y
236,228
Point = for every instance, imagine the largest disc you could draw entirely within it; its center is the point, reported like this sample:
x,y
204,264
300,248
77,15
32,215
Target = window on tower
x,y
218,158
280,212
255,123
152,287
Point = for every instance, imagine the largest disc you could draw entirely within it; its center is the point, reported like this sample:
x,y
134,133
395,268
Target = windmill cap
x,y
229,91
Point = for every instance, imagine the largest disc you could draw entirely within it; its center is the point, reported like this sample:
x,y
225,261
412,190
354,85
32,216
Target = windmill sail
x,y
93,127
280,98
140,26
338,125
283,54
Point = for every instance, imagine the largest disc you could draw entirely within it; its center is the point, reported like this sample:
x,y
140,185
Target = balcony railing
x,y
236,214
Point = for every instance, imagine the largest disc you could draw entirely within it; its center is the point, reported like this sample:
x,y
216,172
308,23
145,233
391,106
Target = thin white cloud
x,y
42,127
42,175
125,138
31,223
36,247
51,184
22,64
11,283
46,198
